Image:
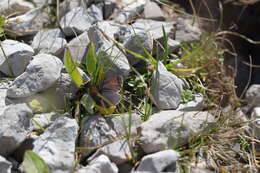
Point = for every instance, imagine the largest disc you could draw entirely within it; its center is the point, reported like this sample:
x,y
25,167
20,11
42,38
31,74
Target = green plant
x,y
187,96
2,23
33,163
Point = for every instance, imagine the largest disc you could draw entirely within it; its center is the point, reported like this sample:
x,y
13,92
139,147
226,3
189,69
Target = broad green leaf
x,y
91,61
88,103
71,68
33,163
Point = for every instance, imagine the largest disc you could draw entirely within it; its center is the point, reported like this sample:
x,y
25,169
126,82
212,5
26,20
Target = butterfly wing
x,y
110,90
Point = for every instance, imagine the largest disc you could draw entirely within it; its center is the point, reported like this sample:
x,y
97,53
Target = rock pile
x,y
36,99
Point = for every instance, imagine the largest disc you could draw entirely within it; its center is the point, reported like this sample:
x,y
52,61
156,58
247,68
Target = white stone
x,y
56,146
166,88
102,164
118,152
49,41
27,24
194,105
14,126
163,161
8,7
77,21
14,57
113,58
42,72
5,166
130,11
78,47
172,128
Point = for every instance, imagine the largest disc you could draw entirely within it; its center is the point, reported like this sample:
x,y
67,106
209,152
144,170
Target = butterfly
x,y
106,94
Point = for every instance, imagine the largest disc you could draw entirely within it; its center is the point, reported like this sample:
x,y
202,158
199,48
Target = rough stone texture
x,y
115,61
153,11
5,166
95,12
49,41
138,43
252,96
194,105
78,47
101,164
151,27
113,30
172,128
130,11
2,99
57,145
120,122
14,126
163,161
96,131
40,121
118,152
255,125
68,5
8,7
78,20
27,24
166,88
42,72
53,98
15,55
187,30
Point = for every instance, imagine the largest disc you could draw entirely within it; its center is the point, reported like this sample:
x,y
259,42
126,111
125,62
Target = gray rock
x,y
194,105
8,7
114,59
114,31
54,98
78,20
138,43
153,11
2,100
95,12
14,57
187,30
252,96
49,41
152,27
95,133
27,24
42,121
68,5
121,123
201,170
14,126
133,9
42,72
172,128
101,164
56,145
5,166
78,47
166,88
255,125
163,161
118,152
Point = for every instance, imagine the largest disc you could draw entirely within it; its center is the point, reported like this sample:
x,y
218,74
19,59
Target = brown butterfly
x,y
107,93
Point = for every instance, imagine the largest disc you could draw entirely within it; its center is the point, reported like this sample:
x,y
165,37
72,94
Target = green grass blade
x,y
91,61
71,68
33,163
